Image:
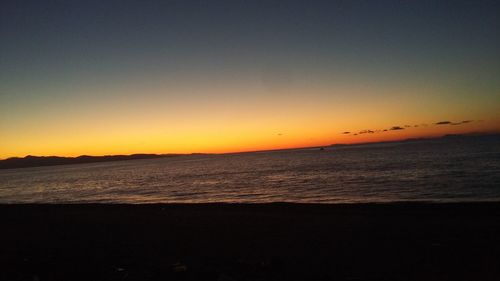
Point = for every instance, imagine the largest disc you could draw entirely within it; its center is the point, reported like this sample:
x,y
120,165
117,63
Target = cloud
x,y
442,123
396,128
453,123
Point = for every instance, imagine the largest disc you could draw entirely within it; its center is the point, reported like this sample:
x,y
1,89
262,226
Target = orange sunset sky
x,y
181,77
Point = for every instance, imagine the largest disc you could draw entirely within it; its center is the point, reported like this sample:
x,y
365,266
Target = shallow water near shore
x,y
442,170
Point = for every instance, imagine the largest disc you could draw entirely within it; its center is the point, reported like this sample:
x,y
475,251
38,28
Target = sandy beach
x,y
410,241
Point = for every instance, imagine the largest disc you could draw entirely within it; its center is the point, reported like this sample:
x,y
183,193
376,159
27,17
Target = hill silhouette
x,y
450,137
35,161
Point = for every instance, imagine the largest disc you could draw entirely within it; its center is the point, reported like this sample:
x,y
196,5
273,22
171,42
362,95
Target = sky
x,y
123,77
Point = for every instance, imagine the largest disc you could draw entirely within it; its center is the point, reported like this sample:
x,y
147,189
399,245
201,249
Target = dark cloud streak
x,y
442,123
396,128
453,123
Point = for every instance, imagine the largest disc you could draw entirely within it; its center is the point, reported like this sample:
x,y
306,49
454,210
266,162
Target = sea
x,y
449,169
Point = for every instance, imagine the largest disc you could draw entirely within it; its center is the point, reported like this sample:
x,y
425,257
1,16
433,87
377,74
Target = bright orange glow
x,y
256,118
211,78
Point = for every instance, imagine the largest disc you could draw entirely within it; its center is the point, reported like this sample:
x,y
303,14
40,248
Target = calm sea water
x,y
438,170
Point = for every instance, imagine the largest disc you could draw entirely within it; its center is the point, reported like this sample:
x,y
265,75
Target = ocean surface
x,y
448,169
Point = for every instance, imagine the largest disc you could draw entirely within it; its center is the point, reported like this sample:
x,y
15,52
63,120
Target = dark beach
x,y
410,241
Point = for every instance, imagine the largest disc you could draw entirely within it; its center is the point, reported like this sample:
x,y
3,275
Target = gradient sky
x,y
121,77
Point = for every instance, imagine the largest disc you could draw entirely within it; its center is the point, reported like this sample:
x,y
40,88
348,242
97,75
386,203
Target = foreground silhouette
x,y
408,241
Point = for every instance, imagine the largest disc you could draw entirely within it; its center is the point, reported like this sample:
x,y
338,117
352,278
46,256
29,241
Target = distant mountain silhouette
x,y
450,137
35,161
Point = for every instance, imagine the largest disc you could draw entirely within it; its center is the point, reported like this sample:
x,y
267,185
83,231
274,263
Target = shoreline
x,y
229,241
356,204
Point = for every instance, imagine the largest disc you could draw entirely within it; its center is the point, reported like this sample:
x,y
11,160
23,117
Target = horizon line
x,y
264,150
